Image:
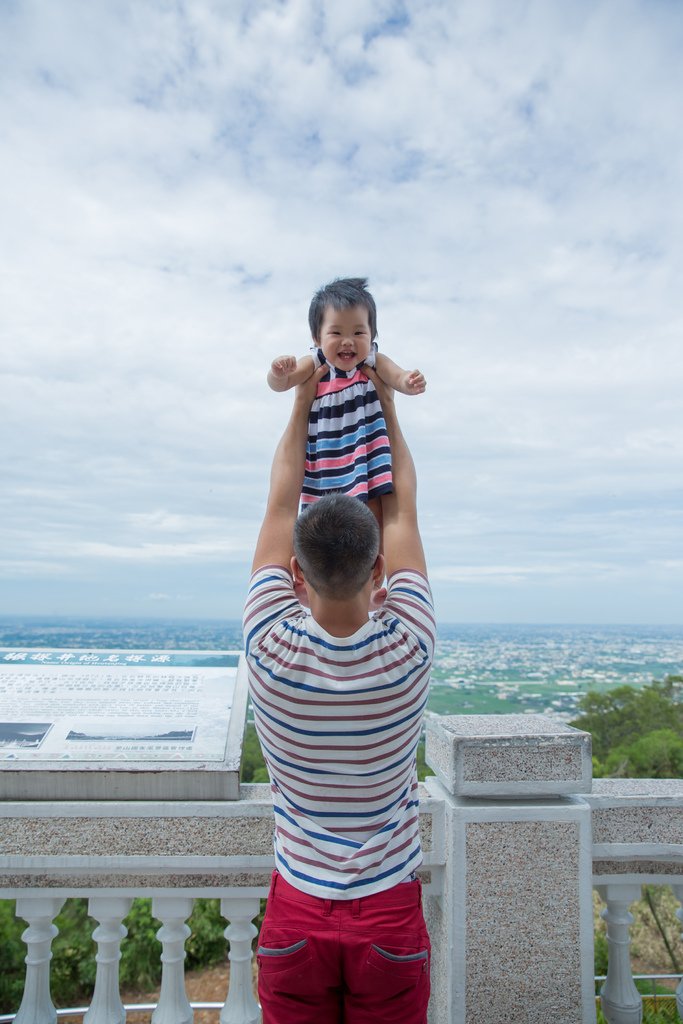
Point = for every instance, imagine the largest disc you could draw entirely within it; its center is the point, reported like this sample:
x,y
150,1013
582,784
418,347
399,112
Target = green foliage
x,y
253,766
206,945
423,769
650,1016
636,733
657,755
73,965
141,952
12,953
600,954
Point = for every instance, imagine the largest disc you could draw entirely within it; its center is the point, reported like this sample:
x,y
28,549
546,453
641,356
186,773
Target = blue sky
x,y
179,178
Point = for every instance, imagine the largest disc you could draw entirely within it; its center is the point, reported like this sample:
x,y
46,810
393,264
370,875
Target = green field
x,y
501,699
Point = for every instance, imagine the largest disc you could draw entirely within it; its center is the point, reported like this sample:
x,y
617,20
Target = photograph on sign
x,y
23,734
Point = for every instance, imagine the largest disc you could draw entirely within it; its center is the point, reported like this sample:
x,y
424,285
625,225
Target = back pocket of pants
x,y
280,953
399,961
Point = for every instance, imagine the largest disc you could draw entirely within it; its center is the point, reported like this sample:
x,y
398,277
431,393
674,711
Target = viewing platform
x,y
515,832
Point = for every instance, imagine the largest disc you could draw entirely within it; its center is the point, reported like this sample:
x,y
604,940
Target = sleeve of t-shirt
x,y
270,598
409,598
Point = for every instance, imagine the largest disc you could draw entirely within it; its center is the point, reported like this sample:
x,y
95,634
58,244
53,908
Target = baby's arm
x,y
408,382
288,371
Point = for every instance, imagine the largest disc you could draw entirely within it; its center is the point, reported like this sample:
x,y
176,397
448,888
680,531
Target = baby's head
x,y
339,295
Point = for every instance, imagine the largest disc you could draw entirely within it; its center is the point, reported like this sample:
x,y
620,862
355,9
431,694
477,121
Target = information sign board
x,y
102,724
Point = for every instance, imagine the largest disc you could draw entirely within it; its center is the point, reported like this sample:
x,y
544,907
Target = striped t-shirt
x,y
339,720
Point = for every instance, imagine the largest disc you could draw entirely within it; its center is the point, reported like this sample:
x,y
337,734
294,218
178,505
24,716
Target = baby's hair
x,y
343,293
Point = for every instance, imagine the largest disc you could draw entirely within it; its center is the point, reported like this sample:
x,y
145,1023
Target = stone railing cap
x,y
527,727
643,792
508,756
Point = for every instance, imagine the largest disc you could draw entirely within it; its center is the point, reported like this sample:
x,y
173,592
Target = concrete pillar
x,y
512,931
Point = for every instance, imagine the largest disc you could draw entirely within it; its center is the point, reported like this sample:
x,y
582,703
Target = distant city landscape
x,y
501,669
478,669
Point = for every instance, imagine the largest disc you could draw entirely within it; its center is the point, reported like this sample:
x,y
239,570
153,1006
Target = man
x,y
338,696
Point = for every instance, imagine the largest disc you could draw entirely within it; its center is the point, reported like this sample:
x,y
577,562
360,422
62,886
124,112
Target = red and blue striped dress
x,y
348,448
339,720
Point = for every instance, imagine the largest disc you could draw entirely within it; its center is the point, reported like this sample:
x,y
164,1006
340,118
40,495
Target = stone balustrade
x,y
637,840
515,836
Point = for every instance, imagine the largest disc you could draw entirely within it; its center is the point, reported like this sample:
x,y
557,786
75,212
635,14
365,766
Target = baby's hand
x,y
413,382
283,366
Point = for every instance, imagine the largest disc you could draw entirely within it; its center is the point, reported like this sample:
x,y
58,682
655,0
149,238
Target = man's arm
x,y
400,531
274,544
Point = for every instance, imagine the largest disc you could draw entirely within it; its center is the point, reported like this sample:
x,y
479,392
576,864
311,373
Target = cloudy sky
x,y
177,178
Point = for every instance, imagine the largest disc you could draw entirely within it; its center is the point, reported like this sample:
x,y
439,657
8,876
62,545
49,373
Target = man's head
x,y
340,295
336,543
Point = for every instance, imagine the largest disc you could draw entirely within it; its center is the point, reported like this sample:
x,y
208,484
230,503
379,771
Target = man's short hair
x,y
343,293
336,543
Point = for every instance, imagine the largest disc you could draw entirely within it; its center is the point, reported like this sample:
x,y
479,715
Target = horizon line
x,y
47,617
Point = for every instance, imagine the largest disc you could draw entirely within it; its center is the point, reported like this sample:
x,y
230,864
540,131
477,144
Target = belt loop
x,y
355,908
327,908
419,892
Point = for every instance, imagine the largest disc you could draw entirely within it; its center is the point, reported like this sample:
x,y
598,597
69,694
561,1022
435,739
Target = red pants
x,y
363,961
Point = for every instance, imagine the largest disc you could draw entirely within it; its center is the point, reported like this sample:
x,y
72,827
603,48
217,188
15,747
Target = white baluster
x,y
620,999
240,1006
173,1006
36,1003
678,890
109,911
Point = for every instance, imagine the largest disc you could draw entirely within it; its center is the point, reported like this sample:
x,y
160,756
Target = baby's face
x,y
345,336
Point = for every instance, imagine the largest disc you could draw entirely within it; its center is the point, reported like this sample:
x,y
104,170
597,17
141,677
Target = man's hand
x,y
385,391
305,391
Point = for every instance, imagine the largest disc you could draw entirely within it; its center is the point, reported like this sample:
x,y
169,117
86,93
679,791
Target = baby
x,y
348,448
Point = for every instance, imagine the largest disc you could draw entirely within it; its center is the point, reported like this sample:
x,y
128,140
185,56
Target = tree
x,y
657,755
624,715
253,765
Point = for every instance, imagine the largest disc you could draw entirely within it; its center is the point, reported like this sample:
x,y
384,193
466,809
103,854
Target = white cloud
x,y
177,180
146,551
518,574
